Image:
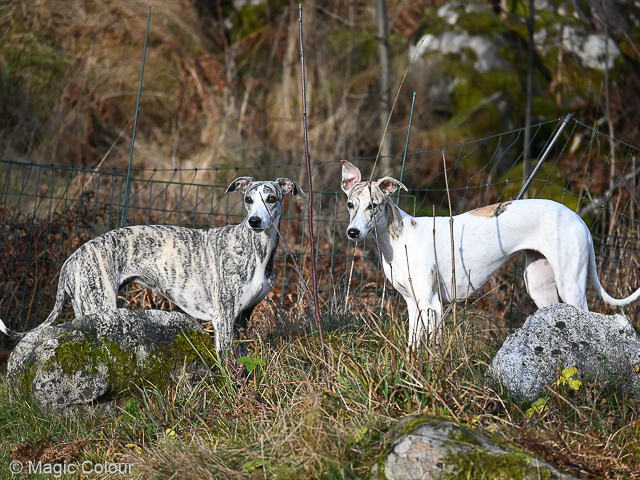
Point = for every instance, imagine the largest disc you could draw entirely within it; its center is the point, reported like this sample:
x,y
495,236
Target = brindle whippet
x,y
220,274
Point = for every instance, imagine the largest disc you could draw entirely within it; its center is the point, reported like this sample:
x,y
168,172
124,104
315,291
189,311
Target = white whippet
x,y
558,247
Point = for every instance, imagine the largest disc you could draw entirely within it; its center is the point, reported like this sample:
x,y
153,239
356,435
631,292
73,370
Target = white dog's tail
x,y
53,316
595,281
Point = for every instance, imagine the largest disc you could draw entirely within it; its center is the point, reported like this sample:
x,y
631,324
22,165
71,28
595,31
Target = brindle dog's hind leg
x,y
91,289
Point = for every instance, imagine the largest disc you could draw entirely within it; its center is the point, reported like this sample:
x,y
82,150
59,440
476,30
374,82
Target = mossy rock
x,y
437,448
97,357
603,348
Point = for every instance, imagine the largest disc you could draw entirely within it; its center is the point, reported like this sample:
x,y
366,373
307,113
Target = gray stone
x,y
83,361
449,11
427,447
485,49
591,48
601,347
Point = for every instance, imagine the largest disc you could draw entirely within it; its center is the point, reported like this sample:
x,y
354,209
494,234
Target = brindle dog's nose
x,y
255,222
353,233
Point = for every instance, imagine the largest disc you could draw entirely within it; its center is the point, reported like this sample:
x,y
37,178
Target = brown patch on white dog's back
x,y
491,210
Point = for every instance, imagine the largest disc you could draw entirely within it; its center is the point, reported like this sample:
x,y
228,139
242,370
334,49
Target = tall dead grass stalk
x,y
314,271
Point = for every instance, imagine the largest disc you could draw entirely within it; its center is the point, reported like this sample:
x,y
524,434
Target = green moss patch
x,y
475,461
123,366
25,379
508,466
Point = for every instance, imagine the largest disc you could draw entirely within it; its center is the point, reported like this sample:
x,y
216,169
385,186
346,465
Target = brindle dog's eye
x,y
349,205
271,199
249,200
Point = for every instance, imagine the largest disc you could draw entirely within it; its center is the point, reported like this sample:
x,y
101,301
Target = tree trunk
x,y
385,84
529,105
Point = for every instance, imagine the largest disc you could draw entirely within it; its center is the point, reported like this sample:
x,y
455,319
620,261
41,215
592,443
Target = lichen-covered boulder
x,y
469,66
600,347
434,447
93,358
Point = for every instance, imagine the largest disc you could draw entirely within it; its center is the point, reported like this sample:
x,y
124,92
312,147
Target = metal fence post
x,y
135,126
529,179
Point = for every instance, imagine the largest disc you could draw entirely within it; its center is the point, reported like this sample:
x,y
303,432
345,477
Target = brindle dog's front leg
x,y
240,330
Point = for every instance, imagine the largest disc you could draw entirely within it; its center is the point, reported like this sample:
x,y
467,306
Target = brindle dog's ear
x,y
389,185
350,176
240,184
289,186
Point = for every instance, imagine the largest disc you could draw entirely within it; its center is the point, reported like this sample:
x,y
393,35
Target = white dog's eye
x,y
249,200
349,205
372,206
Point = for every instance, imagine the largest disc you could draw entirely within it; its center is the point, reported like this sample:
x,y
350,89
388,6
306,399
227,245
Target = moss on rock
x,y
438,448
507,466
124,366
97,356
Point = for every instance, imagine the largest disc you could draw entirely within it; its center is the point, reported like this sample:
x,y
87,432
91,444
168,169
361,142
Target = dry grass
x,y
283,421
70,74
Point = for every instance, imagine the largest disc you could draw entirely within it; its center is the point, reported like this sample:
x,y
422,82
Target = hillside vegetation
x,y
221,84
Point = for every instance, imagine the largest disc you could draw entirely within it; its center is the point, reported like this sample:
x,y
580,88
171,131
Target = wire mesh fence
x,y
48,211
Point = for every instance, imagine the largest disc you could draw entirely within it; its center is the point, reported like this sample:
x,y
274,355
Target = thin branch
x,y
316,310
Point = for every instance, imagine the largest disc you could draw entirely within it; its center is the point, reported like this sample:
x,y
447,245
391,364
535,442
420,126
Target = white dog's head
x,y
367,202
263,200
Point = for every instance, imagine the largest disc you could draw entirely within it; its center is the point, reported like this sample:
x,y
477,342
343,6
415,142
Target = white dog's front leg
x,y
414,324
431,314
424,321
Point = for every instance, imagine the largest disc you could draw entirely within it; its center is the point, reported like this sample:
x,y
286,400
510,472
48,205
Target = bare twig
x,y
580,414
453,255
435,255
395,100
316,310
353,262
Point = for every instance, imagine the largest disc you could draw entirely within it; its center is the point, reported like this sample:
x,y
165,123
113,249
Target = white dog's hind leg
x,y
574,294
540,279
571,277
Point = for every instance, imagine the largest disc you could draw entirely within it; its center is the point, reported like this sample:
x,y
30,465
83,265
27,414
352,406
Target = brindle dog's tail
x,y
53,316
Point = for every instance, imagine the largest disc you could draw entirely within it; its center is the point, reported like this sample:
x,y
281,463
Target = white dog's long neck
x,y
389,230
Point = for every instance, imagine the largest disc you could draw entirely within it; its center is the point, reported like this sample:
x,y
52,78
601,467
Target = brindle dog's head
x,y
368,202
263,200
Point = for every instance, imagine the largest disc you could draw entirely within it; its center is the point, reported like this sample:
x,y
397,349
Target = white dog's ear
x,y
389,185
240,184
350,176
289,186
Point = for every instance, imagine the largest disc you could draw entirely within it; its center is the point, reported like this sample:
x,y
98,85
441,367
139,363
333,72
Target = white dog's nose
x,y
353,233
